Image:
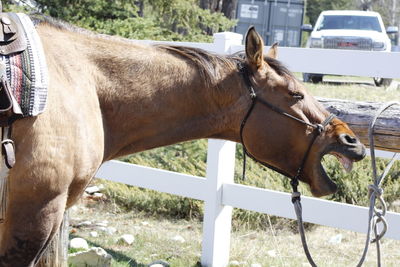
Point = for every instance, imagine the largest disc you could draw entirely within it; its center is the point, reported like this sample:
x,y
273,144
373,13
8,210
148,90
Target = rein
x,y
375,215
318,130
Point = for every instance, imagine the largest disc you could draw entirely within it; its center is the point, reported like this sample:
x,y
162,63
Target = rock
x,y
159,263
84,223
234,263
101,187
78,243
111,230
126,239
145,223
94,257
73,209
102,228
179,239
103,224
272,253
94,234
337,239
92,189
98,195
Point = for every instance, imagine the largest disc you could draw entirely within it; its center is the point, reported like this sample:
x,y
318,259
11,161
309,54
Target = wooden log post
x,y
56,254
360,114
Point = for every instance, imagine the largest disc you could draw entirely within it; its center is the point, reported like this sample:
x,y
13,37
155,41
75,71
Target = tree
x,y
177,20
315,7
227,7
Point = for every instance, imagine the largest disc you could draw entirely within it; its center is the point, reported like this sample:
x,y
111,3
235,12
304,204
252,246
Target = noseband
x,y
317,130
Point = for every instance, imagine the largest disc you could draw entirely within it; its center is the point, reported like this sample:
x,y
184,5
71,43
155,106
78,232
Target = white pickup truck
x,y
352,30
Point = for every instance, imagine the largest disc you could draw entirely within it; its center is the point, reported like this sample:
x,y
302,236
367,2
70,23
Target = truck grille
x,y
350,43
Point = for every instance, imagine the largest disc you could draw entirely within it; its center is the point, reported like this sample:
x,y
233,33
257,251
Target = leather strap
x,y
8,148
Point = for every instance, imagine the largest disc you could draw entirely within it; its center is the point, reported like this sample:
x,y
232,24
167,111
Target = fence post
x,y
224,40
217,217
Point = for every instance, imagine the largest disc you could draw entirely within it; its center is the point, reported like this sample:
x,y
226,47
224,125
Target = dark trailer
x,y
276,21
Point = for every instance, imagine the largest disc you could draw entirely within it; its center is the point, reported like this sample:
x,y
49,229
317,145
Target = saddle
x,y
12,40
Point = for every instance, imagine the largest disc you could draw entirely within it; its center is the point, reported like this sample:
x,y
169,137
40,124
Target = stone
x,y
272,253
103,224
78,243
126,239
234,263
102,228
101,187
84,223
159,263
94,234
111,230
145,223
336,239
98,195
179,239
92,189
94,257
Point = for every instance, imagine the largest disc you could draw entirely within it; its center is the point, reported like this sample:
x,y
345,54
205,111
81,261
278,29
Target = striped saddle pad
x,y
27,70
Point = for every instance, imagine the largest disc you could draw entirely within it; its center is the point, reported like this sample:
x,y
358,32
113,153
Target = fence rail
x,y
218,190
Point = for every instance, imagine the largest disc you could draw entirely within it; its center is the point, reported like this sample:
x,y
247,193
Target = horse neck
x,y
151,98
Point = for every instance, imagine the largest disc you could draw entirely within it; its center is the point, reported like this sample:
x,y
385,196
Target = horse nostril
x,y
348,140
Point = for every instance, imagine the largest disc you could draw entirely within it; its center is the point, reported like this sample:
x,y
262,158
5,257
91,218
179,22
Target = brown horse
x,y
110,97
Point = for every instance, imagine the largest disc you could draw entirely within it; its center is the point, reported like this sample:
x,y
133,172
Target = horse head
x,y
279,129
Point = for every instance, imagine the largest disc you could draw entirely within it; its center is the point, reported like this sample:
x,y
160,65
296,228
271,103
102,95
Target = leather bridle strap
x,y
318,129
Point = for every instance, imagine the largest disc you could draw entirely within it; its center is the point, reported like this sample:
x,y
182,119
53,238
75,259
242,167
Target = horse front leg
x,y
34,213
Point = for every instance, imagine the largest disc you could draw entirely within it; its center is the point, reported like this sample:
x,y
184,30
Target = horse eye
x,y
296,95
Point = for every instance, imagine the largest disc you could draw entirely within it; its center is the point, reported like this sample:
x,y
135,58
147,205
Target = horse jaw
x,y
321,184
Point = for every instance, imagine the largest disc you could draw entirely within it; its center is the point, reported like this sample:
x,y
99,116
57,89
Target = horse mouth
x,y
324,185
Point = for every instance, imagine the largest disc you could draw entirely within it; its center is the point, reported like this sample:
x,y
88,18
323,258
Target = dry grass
x,y
267,247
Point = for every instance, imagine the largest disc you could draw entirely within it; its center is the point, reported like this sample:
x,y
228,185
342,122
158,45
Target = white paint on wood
x,y
217,217
318,211
218,190
156,179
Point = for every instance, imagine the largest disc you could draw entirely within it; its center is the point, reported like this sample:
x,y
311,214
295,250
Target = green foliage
x,y
190,158
315,7
176,20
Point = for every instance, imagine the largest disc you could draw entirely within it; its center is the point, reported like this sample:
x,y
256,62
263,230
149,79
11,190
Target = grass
x,y
267,246
358,89
256,237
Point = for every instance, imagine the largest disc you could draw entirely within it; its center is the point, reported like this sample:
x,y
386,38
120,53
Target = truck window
x,y
333,22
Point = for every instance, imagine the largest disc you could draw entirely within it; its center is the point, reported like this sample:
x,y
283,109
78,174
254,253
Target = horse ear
x,y
273,51
254,48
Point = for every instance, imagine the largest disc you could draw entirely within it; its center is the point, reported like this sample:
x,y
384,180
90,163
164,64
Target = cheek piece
x,y
318,129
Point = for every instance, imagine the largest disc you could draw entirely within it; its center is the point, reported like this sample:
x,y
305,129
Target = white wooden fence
x,y
218,190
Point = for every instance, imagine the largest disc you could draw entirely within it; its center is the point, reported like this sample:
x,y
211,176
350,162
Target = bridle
x,y
318,129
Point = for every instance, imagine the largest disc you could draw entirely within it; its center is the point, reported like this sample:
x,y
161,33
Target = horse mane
x,y
208,62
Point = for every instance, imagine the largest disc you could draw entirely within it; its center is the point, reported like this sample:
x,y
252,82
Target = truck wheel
x,y
314,78
382,82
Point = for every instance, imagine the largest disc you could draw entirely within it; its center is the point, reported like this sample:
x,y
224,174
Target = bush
x,y
190,158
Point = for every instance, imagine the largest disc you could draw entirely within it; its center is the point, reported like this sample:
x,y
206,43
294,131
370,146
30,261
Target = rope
x,y
375,216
